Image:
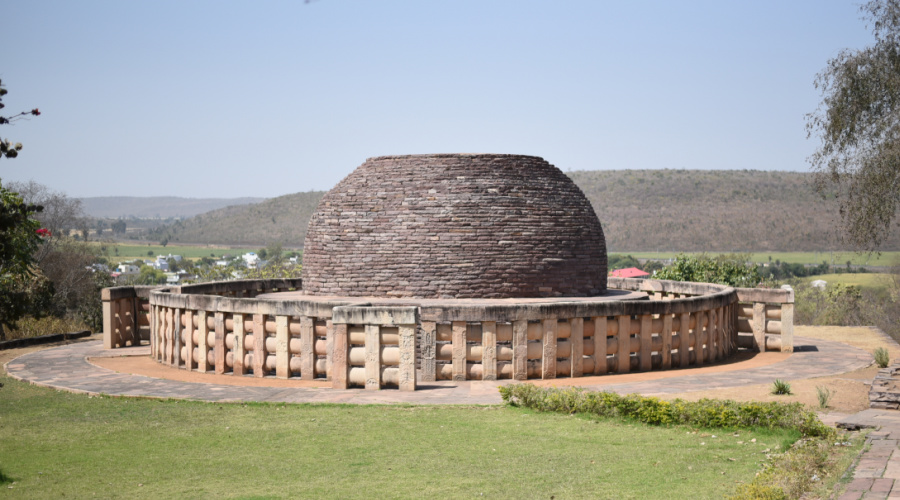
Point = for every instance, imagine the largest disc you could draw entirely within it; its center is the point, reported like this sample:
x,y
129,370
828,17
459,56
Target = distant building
x,y
820,284
128,269
161,263
251,260
629,272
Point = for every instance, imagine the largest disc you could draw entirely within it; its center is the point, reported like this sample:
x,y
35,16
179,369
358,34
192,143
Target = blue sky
x,y
229,99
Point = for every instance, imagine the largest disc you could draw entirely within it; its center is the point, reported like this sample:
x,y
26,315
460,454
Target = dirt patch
x,y
850,391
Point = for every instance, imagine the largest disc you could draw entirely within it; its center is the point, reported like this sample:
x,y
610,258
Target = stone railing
x,y
225,328
763,312
126,320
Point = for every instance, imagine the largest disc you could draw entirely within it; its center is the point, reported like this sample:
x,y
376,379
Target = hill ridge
x,y
665,210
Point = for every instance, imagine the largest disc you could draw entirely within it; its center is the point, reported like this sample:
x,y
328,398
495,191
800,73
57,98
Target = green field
x,y
877,282
886,259
58,444
130,251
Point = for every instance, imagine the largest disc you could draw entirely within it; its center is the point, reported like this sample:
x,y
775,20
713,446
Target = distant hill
x,y
156,207
641,210
712,210
276,220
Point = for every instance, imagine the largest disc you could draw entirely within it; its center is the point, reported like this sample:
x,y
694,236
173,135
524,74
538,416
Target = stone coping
x,y
608,296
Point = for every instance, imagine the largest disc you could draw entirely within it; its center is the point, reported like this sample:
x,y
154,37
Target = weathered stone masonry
x,y
455,226
448,267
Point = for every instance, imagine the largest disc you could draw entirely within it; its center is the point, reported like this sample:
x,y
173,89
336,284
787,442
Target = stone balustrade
x,y
762,314
126,320
226,328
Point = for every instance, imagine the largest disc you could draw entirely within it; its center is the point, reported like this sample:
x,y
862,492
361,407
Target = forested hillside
x,y
716,211
641,210
276,220
155,207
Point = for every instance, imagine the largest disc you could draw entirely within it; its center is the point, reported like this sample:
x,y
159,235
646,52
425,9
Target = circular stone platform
x,y
70,368
455,226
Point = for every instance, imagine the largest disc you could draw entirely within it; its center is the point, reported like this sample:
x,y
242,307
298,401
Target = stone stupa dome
x,y
455,226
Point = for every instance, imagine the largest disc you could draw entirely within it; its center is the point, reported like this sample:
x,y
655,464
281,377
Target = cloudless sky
x,y
228,99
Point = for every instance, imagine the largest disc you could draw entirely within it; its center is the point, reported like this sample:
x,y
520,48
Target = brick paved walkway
x,y
877,474
67,368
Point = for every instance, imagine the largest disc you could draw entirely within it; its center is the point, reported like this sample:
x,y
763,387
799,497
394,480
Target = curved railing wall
x,y
221,327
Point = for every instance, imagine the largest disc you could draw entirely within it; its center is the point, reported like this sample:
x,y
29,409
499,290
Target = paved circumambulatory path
x,y
68,367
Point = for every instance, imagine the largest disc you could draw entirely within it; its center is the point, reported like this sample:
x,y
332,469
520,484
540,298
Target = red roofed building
x,y
630,272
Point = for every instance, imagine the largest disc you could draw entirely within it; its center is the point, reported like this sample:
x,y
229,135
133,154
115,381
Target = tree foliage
x,y
8,149
858,122
727,269
21,287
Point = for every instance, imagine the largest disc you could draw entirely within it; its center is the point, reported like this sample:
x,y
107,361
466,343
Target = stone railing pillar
x,y
376,372
119,317
767,314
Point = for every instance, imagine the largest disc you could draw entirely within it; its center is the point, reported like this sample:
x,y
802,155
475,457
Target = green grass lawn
x,y
131,252
886,259
56,444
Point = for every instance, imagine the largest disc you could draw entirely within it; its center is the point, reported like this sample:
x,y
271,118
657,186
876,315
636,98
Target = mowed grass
x,y
885,259
131,252
56,444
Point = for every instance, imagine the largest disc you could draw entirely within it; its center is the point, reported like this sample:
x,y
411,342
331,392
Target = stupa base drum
x,y
424,268
454,226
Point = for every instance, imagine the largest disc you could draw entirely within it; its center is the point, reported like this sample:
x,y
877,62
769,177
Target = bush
x,y
850,306
882,358
30,326
790,474
824,395
654,411
757,491
730,269
780,387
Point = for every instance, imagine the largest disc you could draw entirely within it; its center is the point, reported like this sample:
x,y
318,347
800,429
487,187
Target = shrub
x,y
792,473
882,358
781,387
757,491
30,326
654,411
824,394
726,269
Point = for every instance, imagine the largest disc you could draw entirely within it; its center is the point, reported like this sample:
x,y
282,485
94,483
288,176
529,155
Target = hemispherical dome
x,y
455,226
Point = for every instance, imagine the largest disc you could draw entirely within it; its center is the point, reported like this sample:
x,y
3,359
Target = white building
x,y
251,260
128,269
161,263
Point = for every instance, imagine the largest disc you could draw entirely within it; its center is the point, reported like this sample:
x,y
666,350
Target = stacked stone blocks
x,y
354,343
455,226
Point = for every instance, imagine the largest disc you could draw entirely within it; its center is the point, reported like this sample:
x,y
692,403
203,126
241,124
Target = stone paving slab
x,y
67,368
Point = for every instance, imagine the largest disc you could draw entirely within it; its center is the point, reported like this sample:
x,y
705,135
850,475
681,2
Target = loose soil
x,y
850,391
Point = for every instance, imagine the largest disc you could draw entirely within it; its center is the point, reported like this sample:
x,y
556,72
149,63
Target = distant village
x,y
178,270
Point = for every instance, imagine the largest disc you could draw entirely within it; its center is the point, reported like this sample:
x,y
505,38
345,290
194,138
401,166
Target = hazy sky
x,y
228,99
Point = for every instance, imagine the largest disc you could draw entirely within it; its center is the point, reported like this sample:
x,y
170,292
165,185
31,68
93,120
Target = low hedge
x,y
710,413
